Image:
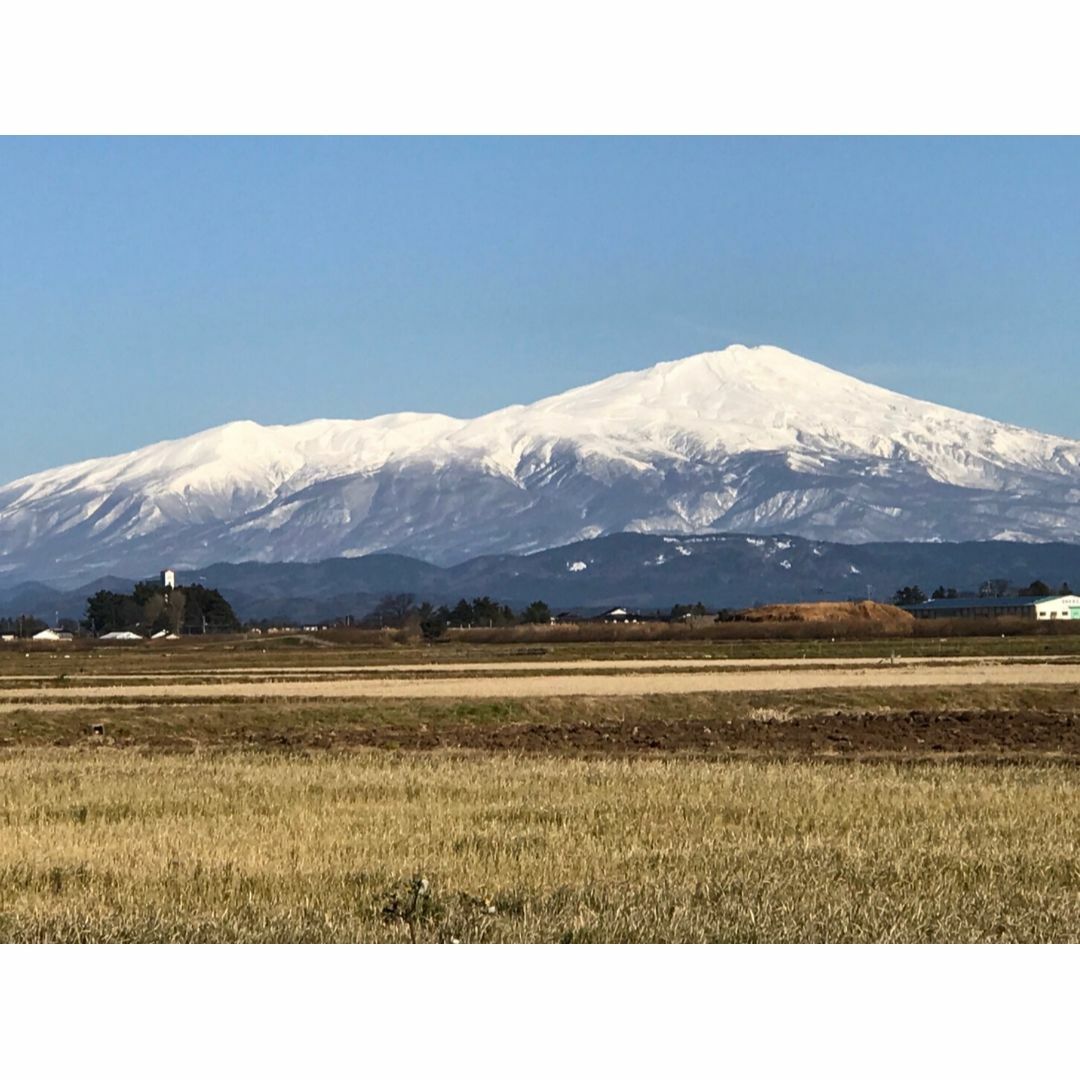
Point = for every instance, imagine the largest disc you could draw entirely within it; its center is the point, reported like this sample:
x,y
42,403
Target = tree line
x,y
25,626
401,611
909,595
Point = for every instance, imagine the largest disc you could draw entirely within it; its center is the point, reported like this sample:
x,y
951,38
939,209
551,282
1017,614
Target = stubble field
x,y
328,794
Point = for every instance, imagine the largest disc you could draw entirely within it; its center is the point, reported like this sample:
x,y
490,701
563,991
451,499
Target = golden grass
x,y
118,846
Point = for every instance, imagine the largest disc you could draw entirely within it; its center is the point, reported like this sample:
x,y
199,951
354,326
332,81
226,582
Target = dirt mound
x,y
885,616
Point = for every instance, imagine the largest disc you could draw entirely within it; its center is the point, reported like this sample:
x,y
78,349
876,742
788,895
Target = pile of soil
x,y
865,612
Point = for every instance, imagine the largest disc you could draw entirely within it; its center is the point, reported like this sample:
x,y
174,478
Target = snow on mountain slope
x,y
764,399
755,440
244,456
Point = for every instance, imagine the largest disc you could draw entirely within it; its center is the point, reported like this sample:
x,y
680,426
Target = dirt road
x,y
503,667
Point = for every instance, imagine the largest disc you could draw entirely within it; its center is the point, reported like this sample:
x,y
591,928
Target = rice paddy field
x,y
329,793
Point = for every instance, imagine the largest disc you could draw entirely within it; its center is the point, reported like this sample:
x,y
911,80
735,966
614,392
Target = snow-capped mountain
x,y
753,440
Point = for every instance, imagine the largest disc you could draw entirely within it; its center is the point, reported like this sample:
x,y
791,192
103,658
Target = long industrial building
x,y
1017,607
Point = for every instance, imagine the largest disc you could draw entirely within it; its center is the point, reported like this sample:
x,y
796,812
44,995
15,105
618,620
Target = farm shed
x,y
1018,607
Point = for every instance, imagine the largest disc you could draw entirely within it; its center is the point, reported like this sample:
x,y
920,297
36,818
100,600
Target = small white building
x,y
618,615
168,579
1057,607
49,634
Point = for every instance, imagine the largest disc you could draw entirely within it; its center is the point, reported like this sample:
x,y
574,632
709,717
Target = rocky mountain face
x,y
748,440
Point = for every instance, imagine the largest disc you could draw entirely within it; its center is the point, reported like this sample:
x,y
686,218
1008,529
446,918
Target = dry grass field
x,y
215,793
263,847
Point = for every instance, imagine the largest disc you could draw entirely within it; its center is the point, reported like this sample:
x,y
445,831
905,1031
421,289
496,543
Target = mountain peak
x,y
760,365
735,399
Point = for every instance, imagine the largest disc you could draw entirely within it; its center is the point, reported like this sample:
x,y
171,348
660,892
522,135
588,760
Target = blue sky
x,y
150,288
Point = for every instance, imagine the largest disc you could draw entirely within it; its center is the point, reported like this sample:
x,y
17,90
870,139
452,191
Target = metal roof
x,y
981,601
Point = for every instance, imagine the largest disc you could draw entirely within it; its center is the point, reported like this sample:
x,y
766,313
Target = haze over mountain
x,y
750,440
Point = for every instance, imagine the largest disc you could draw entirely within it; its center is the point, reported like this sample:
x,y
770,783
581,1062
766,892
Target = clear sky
x,y
150,288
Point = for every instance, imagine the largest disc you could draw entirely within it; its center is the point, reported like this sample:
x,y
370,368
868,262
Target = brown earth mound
x,y
884,616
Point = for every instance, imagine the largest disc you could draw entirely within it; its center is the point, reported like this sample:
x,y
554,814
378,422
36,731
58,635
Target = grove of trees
x,y
909,595
150,607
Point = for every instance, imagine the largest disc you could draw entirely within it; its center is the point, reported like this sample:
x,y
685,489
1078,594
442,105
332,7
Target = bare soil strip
x,y
990,722
581,727
986,736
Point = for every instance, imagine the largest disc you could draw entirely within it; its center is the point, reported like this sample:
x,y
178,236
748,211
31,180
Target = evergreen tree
x,y
463,614
1036,588
108,612
145,591
536,612
908,596
486,612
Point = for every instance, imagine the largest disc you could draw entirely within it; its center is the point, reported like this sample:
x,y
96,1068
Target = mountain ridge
x,y
752,440
627,569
